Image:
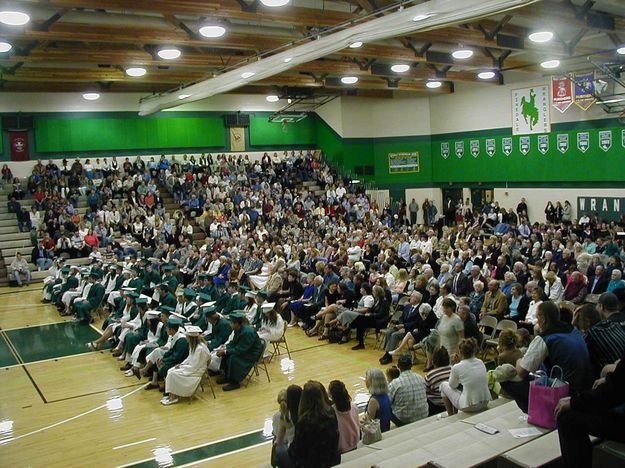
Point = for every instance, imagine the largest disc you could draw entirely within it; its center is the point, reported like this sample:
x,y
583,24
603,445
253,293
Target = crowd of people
x,y
332,262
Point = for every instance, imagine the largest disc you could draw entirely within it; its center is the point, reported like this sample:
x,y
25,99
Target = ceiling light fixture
x,y
486,75
433,84
212,30
169,53
541,36
272,98
355,45
422,17
14,18
274,3
349,79
91,96
5,46
550,64
183,96
400,68
462,54
621,50
246,75
136,71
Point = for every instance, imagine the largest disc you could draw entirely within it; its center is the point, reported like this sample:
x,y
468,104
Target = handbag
x,y
371,431
545,393
335,335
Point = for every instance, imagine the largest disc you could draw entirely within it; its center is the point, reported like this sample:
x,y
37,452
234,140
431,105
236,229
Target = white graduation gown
x,y
183,381
150,344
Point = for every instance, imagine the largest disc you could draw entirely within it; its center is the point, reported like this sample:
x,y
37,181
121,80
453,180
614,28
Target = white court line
x,y
133,443
36,326
225,454
12,439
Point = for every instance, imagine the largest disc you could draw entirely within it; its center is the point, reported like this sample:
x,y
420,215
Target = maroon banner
x,y
18,141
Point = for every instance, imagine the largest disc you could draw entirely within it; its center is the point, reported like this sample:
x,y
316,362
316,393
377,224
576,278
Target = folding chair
x,y
206,376
280,344
257,364
487,322
380,335
501,326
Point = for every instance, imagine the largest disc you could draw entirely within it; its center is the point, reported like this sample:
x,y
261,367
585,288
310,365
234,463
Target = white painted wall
x,y
537,198
124,102
332,114
420,195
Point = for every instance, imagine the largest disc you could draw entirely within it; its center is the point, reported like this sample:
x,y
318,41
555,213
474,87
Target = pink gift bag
x,y
545,393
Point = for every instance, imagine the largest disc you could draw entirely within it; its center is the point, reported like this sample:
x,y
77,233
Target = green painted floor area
x,y
6,356
51,341
206,451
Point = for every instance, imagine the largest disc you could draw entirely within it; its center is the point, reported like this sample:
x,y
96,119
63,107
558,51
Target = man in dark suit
x,y
396,331
598,283
317,301
459,282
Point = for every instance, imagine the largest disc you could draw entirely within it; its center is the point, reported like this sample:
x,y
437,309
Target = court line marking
x,y
223,439
221,455
11,308
19,291
134,443
21,361
63,421
36,326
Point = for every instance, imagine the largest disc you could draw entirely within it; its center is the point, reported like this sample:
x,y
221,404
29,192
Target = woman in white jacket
x,y
183,380
554,291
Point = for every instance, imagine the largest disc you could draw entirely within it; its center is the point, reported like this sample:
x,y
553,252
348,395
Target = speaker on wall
x,y
17,122
237,120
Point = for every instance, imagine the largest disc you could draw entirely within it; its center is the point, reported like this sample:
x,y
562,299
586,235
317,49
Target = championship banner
x,y
530,110
584,90
605,140
563,142
474,146
524,145
543,143
491,147
506,145
583,141
445,149
18,142
623,138
403,162
561,93
459,146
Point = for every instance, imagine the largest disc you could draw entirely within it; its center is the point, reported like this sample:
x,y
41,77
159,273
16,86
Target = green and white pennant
x,y
524,145
491,147
583,141
563,142
474,146
605,140
543,143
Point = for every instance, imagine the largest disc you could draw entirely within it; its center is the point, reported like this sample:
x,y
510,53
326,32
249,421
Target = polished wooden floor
x,y
76,408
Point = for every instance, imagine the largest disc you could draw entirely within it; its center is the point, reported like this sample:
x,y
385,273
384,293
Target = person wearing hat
x,y
135,280
145,339
155,354
83,308
150,278
117,311
164,295
233,300
189,306
114,324
169,278
220,328
125,282
183,379
177,352
240,354
70,295
129,326
72,282
207,287
48,289
271,323
110,279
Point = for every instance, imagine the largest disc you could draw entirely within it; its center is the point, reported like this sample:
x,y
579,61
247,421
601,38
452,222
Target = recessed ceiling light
x,y
462,54
169,53
183,96
433,84
91,96
621,50
14,18
288,59
212,30
246,75
5,46
355,45
272,98
400,68
136,71
349,79
274,3
422,17
550,64
541,36
486,75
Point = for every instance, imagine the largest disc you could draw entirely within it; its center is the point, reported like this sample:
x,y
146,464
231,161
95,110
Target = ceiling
x,y
80,45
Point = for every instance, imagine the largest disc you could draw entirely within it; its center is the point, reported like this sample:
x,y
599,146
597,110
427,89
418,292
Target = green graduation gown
x,y
242,352
169,300
178,353
83,309
219,335
134,338
72,282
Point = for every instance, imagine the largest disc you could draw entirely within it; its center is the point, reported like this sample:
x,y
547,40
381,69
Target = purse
x,y
545,393
335,335
371,431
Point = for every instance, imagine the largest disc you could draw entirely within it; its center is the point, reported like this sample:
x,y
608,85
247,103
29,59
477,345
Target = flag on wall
x,y
561,93
18,142
584,90
530,110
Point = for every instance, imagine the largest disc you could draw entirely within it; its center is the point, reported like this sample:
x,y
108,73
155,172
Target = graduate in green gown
x,y
49,288
73,280
83,309
150,278
165,296
135,337
169,278
189,306
220,331
207,287
240,354
177,353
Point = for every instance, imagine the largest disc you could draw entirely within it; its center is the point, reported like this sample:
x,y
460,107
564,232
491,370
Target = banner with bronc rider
x,y
530,110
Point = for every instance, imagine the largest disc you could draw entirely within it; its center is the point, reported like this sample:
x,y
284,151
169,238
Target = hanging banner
x,y
563,142
18,142
584,90
460,149
561,93
530,110
524,145
543,143
474,146
506,146
491,147
583,141
623,138
605,140
445,150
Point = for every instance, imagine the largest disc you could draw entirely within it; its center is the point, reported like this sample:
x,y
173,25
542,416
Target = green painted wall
x,y
264,133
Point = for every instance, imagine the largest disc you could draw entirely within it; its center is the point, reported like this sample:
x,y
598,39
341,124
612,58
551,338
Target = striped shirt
x,y
433,381
606,343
